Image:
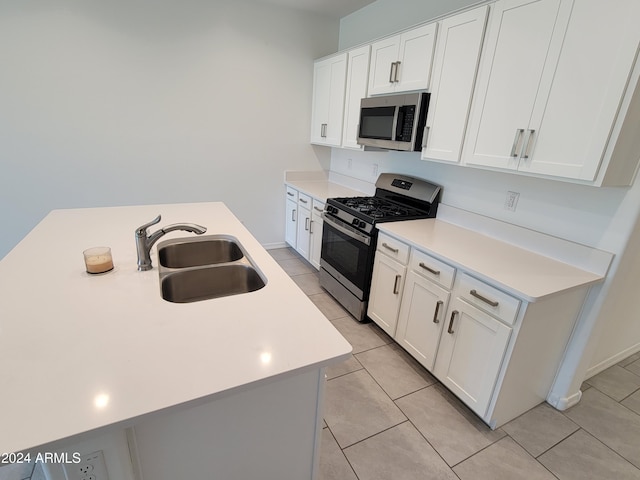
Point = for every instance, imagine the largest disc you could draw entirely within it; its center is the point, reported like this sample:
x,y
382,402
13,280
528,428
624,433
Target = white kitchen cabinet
x,y
403,62
304,225
455,65
553,89
329,77
356,90
315,231
422,312
472,349
291,217
389,271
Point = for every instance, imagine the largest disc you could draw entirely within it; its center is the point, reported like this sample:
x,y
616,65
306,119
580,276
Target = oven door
x,y
347,254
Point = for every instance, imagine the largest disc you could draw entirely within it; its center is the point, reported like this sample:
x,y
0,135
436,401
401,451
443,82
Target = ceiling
x,y
332,8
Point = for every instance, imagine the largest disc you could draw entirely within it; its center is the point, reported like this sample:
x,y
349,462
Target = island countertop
x,y
80,352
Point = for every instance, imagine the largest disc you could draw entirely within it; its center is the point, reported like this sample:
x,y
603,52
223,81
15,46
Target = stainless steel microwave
x,y
393,122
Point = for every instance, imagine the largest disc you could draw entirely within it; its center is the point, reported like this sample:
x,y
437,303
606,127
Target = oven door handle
x,y
347,230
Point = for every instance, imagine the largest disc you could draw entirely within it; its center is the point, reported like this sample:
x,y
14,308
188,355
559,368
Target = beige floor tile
x,y
361,336
395,370
504,460
616,381
540,429
309,283
333,463
283,253
399,453
328,305
449,426
356,408
342,368
613,424
296,266
629,359
634,367
582,457
632,402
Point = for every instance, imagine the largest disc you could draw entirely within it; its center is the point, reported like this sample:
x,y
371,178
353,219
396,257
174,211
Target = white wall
x,y
387,16
603,218
155,101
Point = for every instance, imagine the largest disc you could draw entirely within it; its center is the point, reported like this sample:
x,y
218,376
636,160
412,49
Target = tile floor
x,y
388,418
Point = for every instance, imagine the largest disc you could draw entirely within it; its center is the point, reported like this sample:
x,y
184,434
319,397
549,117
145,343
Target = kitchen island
x,y
231,385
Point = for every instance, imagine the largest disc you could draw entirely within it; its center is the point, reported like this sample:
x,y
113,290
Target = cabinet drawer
x,y
488,298
292,194
432,268
318,206
304,200
393,248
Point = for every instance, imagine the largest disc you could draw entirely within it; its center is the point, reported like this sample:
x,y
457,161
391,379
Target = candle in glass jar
x,y
98,259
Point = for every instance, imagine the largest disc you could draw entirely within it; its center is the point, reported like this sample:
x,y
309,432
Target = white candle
x,y
98,259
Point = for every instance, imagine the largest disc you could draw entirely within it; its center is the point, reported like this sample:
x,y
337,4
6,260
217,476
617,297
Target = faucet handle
x,y
142,230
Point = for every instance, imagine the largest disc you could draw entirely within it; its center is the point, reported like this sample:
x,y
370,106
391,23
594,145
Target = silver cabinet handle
x,y
394,250
306,223
323,130
435,315
474,293
302,200
311,226
528,145
453,316
516,142
293,215
395,284
429,269
393,66
395,76
318,209
290,194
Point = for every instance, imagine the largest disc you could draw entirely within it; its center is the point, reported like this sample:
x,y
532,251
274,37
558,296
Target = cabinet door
x,y
357,80
291,223
329,78
315,245
384,54
303,232
472,347
386,292
572,127
413,70
522,46
454,72
422,314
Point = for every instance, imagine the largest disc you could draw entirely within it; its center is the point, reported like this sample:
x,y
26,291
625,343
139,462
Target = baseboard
x,y
272,246
611,361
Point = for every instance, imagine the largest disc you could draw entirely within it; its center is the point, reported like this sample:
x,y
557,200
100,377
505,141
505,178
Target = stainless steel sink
x,y
192,285
201,268
192,252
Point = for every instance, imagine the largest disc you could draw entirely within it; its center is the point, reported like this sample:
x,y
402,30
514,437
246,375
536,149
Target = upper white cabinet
x,y
329,76
454,72
551,84
403,62
356,89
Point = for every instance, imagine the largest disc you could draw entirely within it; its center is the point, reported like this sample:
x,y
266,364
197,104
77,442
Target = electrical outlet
x,y
511,201
374,171
91,467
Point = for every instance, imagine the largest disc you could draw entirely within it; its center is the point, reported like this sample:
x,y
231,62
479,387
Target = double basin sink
x,y
200,268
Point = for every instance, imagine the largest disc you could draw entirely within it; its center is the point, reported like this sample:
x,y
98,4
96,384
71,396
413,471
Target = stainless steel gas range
x,y
349,234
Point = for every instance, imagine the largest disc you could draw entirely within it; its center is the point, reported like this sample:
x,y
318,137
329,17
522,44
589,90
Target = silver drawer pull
x,y
493,303
394,250
303,200
453,316
318,209
429,269
291,194
395,284
435,315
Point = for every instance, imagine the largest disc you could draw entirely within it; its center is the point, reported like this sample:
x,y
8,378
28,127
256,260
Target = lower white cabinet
x,y
386,292
472,347
422,314
303,224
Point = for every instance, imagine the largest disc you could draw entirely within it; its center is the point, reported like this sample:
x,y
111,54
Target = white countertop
x,y
523,273
69,339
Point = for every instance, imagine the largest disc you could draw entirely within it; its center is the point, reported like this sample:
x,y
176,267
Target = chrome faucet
x,y
144,242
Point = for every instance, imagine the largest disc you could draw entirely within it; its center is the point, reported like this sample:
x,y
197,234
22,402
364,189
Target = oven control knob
x,y
355,222
362,224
